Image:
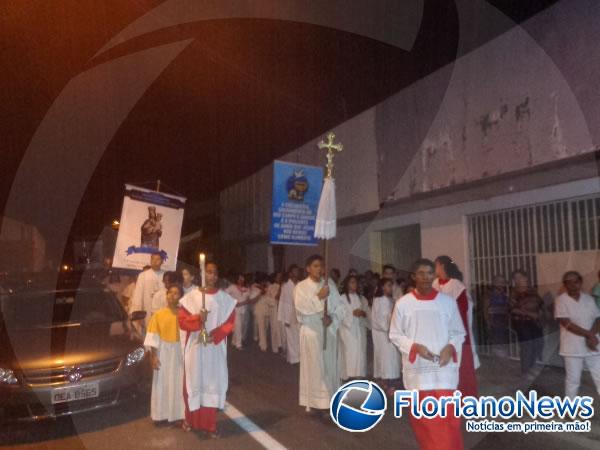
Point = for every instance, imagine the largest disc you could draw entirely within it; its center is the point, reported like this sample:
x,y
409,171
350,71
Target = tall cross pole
x,y
331,149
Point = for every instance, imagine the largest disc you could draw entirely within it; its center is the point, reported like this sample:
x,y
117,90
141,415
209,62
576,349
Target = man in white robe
x,y
286,314
319,371
159,299
427,329
206,377
149,282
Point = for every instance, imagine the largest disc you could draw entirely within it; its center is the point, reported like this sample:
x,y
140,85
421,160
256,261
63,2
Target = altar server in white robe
x,y
386,358
206,376
319,371
352,345
162,340
256,289
148,283
266,314
287,316
427,328
238,290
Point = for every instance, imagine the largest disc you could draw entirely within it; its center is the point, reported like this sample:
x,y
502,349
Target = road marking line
x,y
257,433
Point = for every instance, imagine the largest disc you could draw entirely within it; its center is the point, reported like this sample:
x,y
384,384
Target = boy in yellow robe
x,y
162,339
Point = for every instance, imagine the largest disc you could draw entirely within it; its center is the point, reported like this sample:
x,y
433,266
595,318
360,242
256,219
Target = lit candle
x,y
202,271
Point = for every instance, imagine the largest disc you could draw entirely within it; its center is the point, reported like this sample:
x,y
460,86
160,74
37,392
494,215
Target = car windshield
x,y
22,311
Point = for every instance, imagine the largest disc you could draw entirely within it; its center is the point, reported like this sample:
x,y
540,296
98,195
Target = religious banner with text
x,y
296,192
150,222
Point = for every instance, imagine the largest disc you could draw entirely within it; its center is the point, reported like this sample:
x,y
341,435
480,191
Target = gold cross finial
x,y
331,148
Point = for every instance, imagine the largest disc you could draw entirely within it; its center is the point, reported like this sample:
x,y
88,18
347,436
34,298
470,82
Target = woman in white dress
x,y
352,333
386,358
188,280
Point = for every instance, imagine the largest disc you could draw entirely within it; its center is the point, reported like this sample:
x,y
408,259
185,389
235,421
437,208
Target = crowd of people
x,y
420,329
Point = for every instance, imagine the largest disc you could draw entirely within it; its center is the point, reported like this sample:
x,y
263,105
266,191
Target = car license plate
x,y
74,393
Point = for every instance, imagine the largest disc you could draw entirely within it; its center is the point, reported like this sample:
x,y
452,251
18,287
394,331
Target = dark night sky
x,y
242,94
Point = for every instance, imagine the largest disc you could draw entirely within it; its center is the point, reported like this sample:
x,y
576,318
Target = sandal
x,y
213,434
186,426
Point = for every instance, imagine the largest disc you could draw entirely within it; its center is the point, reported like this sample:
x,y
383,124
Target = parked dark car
x,y
67,351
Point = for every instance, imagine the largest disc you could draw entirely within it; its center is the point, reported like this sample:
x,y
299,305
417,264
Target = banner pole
x,y
325,314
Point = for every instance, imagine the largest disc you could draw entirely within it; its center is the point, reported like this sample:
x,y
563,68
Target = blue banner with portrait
x,y
296,193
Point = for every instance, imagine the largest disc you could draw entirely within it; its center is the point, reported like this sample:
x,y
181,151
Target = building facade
x,y
492,160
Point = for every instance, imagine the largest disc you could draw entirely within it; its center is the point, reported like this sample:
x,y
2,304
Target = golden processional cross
x,y
325,224
331,149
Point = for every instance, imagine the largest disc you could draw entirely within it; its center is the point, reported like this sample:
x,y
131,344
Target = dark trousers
x,y
531,342
499,326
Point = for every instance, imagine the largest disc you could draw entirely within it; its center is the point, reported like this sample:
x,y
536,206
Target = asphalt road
x,y
265,388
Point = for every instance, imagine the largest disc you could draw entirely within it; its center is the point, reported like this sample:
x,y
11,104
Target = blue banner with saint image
x,y
296,193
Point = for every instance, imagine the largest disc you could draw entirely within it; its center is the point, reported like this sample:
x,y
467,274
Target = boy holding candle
x,y
206,376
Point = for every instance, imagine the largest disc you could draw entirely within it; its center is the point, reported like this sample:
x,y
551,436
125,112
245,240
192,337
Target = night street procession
x,y
285,224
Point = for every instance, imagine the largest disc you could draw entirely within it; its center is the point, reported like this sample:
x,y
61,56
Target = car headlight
x,y
136,356
7,376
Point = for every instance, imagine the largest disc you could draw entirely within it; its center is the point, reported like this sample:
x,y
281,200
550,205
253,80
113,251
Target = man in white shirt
x,y
579,326
148,283
427,329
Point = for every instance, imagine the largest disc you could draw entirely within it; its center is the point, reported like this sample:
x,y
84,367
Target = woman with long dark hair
x,y
352,333
449,282
188,276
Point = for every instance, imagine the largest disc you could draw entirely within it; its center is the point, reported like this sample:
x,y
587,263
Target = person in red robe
x,y
449,281
206,375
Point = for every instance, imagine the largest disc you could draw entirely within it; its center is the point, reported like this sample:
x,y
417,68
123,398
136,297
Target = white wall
x,y
444,229
507,106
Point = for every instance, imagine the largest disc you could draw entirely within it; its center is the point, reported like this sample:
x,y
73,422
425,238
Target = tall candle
x,y
202,271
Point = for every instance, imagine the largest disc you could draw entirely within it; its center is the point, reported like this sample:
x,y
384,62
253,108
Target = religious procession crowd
x,y
421,330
